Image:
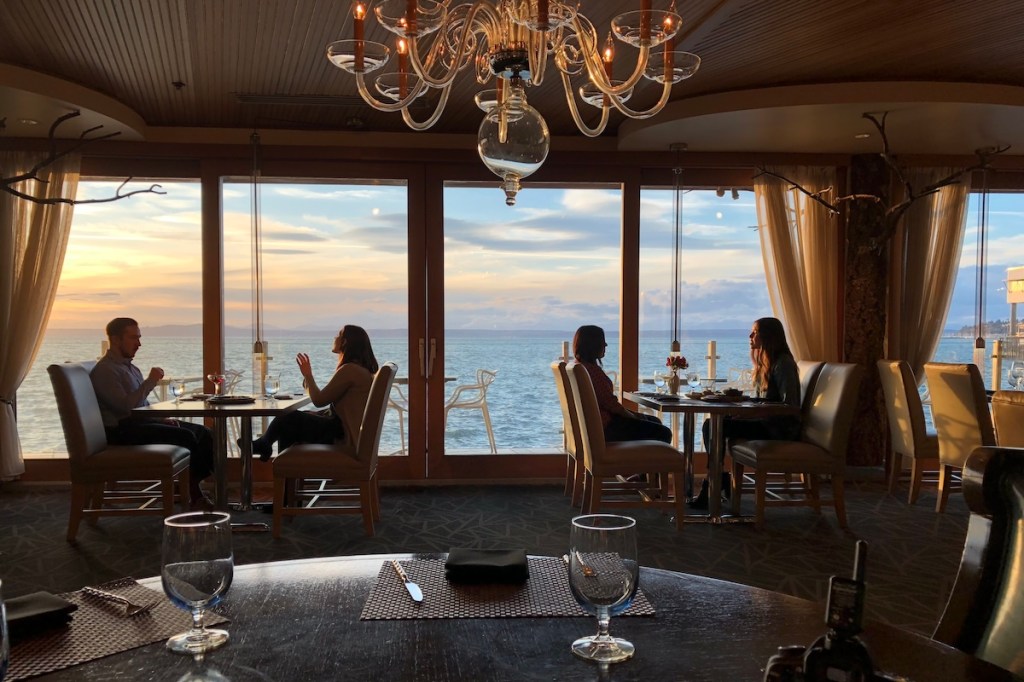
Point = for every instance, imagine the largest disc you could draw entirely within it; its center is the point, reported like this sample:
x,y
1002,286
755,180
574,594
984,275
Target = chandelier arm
x,y
573,109
538,55
587,36
666,91
423,70
438,110
386,107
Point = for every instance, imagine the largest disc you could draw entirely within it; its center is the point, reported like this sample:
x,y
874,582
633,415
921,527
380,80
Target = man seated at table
x,y
120,387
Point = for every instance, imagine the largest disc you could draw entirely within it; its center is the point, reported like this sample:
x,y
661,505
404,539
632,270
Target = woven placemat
x,y
545,594
99,628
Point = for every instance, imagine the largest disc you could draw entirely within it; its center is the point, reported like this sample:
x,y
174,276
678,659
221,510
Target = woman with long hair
x,y
776,379
345,394
588,347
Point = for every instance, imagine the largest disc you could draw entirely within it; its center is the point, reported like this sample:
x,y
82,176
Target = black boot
x,y
701,501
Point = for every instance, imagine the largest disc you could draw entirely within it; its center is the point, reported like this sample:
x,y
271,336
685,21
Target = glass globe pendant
x,y
513,140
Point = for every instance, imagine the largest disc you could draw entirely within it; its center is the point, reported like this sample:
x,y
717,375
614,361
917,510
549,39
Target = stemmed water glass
x,y
177,390
197,568
272,386
1015,375
218,381
659,382
693,381
603,576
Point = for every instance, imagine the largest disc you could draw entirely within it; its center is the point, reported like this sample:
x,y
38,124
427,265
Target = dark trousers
x,y
747,429
303,427
196,438
647,427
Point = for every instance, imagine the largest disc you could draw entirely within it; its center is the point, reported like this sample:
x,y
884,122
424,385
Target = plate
x,y
724,398
197,396
231,400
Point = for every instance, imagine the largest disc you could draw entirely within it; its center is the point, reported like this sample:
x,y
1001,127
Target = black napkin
x,y
37,612
479,566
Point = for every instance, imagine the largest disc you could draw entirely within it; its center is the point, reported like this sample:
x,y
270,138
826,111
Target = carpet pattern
x,y
912,560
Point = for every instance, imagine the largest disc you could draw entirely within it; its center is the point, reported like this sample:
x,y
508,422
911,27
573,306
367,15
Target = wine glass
x,y
218,381
177,390
603,576
197,568
272,386
1015,375
659,382
693,381
707,383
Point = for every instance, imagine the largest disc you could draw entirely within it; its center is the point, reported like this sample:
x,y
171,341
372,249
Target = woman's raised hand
x,y
305,368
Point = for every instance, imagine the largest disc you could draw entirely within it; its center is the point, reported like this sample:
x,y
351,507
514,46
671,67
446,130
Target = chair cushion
x,y
123,462
637,456
313,460
784,456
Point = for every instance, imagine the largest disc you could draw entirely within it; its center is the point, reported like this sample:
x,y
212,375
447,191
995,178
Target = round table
x,y
299,620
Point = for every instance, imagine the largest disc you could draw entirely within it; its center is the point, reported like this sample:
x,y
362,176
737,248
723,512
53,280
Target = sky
x,y
337,253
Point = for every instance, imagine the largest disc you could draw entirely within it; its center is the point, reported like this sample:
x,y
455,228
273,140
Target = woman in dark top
x,y
588,347
775,379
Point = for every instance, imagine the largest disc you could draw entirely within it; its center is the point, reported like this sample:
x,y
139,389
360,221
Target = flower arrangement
x,y
676,362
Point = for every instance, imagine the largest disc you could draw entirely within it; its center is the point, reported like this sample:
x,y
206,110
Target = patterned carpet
x,y
912,559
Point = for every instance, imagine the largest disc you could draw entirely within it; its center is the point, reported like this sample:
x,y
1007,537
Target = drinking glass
x,y
693,380
272,386
177,390
197,568
659,382
218,381
603,576
708,383
1015,375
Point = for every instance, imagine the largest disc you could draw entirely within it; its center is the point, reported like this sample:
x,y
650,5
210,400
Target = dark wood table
x,y
716,411
220,414
299,620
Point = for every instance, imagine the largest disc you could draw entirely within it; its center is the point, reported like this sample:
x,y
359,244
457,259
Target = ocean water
x,y
522,401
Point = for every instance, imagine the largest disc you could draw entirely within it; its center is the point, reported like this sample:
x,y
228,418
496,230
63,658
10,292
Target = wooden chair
x,y
821,450
910,440
962,420
104,477
574,464
608,460
1008,418
985,612
353,472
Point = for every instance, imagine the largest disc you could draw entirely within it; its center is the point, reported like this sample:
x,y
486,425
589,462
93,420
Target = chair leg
x,y
79,497
814,491
737,487
375,491
570,474
184,495
916,472
279,486
490,430
679,484
95,501
945,482
366,502
895,469
760,491
839,499
401,429
578,483
167,488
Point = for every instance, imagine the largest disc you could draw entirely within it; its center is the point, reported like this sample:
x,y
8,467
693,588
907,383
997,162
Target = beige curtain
x,y
33,238
924,264
801,249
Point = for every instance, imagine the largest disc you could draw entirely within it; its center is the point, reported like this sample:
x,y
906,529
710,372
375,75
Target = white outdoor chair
x,y
474,397
400,404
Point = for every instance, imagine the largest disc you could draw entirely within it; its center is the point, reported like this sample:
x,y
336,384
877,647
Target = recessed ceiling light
x,y
862,136
28,121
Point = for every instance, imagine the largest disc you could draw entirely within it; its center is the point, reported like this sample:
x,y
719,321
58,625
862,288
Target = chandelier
x,y
510,42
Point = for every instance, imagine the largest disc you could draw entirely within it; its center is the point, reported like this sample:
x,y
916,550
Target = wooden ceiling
x,y
167,69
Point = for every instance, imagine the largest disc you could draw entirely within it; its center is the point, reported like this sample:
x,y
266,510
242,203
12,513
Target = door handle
x,y
433,355
422,364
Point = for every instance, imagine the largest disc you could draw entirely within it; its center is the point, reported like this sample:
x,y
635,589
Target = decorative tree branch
x,y
894,211
54,155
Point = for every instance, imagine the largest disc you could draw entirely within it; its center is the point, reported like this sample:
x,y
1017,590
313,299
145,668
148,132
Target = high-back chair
x,y
353,470
808,371
574,465
608,460
910,440
99,471
1008,418
961,417
474,397
985,612
821,450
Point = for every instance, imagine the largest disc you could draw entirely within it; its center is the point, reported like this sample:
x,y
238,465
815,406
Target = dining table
x,y
245,408
307,620
717,406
